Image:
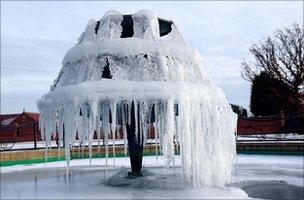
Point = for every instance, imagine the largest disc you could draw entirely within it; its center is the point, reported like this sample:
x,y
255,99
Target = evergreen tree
x,y
270,96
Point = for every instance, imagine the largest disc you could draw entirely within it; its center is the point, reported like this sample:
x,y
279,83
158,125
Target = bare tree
x,y
282,57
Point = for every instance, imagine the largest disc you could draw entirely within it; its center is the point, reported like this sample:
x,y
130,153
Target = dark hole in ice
x,y
110,117
146,55
106,73
176,109
164,26
97,26
153,114
127,26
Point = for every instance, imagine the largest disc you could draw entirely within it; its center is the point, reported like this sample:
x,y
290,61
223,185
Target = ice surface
x,y
153,72
259,172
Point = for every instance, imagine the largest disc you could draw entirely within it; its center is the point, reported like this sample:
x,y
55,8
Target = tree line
x,y
276,73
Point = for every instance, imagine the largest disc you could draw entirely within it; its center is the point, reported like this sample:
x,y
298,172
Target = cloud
x,y
37,34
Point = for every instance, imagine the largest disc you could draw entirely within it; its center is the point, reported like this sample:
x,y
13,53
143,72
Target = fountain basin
x,y
255,176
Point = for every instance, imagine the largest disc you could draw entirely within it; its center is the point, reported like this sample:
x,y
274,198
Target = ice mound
x,y
141,58
120,178
124,177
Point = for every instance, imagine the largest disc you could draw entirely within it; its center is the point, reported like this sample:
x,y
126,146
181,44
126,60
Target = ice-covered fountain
x,y
131,72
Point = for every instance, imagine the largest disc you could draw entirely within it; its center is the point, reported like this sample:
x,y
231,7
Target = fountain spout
x,y
135,144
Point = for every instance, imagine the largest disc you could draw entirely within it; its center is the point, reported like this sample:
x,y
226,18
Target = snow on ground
x,y
41,144
287,136
269,159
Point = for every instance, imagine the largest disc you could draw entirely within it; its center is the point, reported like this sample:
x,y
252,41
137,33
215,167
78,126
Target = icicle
x,y
59,149
184,145
156,129
144,121
92,127
90,147
98,129
181,136
177,127
158,124
59,136
105,110
82,147
124,117
167,143
98,141
73,149
113,126
67,152
81,131
107,151
45,150
160,119
68,130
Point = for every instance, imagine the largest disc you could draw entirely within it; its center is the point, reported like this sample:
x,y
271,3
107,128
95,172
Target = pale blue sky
x,y
36,36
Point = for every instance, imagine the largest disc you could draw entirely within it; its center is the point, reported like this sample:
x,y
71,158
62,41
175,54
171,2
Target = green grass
x,y
118,154
290,153
61,158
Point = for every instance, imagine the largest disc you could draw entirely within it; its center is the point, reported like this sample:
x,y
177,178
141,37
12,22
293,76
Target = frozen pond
x,y
256,176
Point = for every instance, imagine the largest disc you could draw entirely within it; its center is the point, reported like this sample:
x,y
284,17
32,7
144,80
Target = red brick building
x,y
19,127
271,124
259,125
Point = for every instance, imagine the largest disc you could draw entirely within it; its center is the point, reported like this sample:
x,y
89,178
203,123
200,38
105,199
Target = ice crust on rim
x,y
160,73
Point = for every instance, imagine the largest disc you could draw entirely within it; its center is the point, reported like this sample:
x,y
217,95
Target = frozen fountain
x,y
134,72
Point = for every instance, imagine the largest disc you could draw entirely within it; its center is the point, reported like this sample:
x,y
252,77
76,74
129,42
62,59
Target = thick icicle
x,y
92,127
167,143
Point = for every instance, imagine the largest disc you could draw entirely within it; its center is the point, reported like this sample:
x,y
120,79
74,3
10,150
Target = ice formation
x,y
143,59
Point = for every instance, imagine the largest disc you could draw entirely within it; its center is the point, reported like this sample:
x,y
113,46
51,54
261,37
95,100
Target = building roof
x,y
7,116
34,116
7,119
